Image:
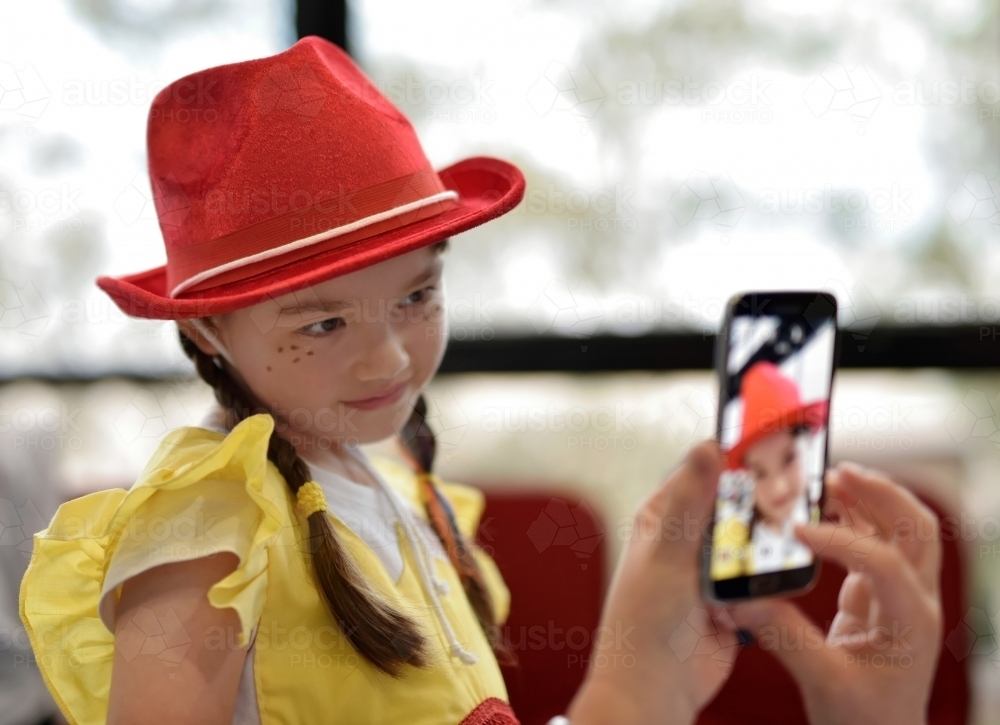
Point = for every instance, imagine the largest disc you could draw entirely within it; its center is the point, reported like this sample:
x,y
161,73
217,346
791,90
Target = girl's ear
x,y
203,335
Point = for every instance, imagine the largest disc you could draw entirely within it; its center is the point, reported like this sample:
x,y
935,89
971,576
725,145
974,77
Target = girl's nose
x,y
385,357
782,485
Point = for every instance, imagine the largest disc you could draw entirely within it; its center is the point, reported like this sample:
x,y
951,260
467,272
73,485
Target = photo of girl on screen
x,y
774,437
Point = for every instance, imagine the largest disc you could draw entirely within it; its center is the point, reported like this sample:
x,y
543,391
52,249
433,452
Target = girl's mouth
x,y
386,397
781,503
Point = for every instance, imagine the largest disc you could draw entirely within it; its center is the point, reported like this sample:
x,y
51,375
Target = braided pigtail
x,y
383,636
420,447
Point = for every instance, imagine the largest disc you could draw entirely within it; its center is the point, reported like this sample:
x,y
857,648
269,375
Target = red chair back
x,y
550,549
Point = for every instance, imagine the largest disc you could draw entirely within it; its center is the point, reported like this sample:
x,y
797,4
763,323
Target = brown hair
x,y
421,446
386,638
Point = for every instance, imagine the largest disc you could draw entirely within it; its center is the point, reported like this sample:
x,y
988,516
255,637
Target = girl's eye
x,y
418,297
324,327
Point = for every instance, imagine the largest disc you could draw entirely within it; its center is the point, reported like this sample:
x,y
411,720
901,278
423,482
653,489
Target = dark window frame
x,y
955,347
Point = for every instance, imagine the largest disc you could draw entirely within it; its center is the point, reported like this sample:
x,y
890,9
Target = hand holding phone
x,y
775,358
861,669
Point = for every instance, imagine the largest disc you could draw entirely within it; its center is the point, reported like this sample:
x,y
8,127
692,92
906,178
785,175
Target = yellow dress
x,y
731,550
204,492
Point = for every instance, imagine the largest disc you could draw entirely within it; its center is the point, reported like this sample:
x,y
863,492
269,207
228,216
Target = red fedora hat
x,y
279,173
771,403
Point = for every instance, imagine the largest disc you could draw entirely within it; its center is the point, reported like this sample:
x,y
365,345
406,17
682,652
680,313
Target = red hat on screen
x,y
771,403
279,173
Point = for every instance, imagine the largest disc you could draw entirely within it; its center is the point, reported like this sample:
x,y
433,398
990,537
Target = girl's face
x,y
341,362
776,467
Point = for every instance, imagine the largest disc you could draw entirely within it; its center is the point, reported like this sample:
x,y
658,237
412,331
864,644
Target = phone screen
x,y
776,373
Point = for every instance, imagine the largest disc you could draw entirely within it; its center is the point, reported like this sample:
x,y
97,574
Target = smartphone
x,y
775,357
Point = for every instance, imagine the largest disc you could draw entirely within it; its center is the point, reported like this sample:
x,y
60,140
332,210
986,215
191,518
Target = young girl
x,y
779,485
263,569
766,466
769,454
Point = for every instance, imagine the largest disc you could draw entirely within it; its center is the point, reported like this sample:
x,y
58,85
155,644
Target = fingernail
x,y
699,461
852,467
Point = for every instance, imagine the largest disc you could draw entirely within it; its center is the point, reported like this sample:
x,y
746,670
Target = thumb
x,y
782,629
691,487
684,500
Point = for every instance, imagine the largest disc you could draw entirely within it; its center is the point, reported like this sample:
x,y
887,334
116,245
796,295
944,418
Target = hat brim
x,y
487,188
812,415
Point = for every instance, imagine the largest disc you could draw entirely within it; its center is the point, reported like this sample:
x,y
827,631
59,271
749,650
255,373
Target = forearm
x,y
629,697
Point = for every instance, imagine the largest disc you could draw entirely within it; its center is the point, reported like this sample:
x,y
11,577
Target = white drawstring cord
x,y
431,581
425,564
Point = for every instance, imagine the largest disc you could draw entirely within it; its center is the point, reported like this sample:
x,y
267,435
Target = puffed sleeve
x,y
200,494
